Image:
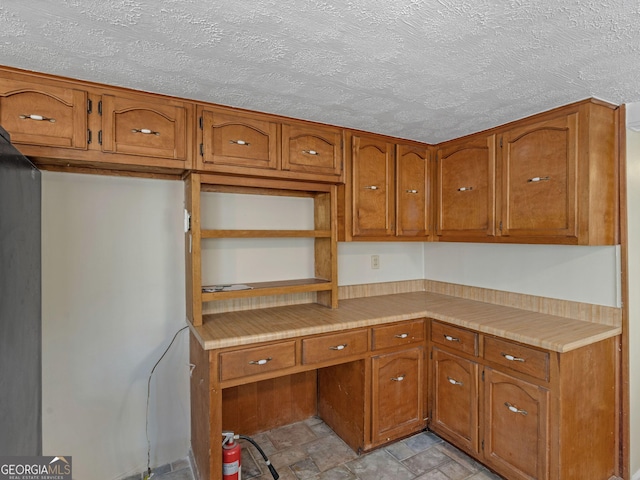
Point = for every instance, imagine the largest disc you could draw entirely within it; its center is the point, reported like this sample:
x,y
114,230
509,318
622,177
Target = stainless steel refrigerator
x,y
20,303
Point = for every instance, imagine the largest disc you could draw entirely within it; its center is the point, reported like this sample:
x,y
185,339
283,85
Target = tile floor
x,y
311,450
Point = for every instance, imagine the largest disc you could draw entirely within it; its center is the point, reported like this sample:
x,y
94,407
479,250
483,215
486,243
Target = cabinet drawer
x,y
335,346
254,361
397,334
517,357
454,337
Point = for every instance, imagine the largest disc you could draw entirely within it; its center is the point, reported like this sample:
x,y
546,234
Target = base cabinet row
x,y
524,412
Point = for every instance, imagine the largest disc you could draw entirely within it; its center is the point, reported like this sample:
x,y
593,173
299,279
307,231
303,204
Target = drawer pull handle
x,y
411,191
338,347
511,358
538,179
310,152
399,378
402,335
371,187
449,338
239,142
38,118
515,409
453,381
262,361
145,131
465,189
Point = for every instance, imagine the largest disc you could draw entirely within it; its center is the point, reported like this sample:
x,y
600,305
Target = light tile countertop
x,y
550,332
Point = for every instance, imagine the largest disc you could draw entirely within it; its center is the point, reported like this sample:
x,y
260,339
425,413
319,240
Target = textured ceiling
x,y
427,70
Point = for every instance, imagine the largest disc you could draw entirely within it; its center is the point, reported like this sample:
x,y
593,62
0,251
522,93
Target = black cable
x,y
272,469
149,395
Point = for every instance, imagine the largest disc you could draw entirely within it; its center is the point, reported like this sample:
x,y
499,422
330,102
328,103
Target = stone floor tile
x,y
250,468
321,429
291,435
422,441
305,469
434,474
264,442
180,464
426,460
288,457
485,475
379,465
400,450
459,456
337,473
161,470
329,451
455,471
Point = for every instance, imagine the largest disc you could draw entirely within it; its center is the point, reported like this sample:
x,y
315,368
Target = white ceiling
x,y
426,70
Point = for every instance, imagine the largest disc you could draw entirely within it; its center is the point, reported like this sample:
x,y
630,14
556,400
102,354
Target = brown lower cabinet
x,y
526,413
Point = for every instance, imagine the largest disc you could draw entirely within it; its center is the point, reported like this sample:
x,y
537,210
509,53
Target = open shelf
x,y
323,233
260,289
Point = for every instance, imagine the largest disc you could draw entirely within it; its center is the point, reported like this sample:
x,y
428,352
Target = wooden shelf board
x,y
272,288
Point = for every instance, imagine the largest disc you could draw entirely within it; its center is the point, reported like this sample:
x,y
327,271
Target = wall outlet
x,y
375,261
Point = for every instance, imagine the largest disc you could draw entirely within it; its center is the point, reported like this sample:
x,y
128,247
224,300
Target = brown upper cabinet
x,y
559,177
143,126
76,124
465,195
389,190
552,178
413,191
258,145
42,113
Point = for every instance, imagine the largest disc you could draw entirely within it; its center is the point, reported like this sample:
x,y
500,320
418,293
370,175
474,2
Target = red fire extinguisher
x,y
231,453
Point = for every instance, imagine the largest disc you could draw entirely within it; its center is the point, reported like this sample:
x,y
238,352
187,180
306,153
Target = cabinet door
x,y
312,150
43,114
397,394
465,192
373,182
538,167
413,191
136,125
455,399
234,142
515,427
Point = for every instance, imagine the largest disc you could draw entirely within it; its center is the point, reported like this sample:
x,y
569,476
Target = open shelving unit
x,y
324,235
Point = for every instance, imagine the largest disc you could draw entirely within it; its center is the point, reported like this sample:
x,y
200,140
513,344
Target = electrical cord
x,y
272,469
149,474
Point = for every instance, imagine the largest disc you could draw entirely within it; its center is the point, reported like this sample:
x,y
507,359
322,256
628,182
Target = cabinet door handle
x,y
239,142
37,118
338,347
411,191
511,358
145,131
261,361
399,378
371,187
453,381
401,335
310,152
465,189
515,409
449,338
538,179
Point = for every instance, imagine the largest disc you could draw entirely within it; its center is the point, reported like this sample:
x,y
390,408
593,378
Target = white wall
x,y
398,261
581,274
633,207
113,296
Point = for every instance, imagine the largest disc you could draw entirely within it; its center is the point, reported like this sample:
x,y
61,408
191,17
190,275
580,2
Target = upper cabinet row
x,y
550,178
77,124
